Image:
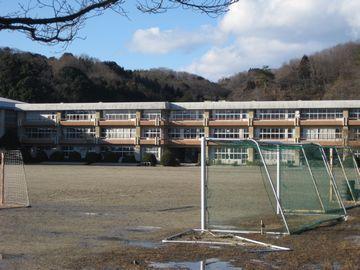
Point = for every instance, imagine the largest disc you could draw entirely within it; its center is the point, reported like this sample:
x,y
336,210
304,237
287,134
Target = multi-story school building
x,y
148,127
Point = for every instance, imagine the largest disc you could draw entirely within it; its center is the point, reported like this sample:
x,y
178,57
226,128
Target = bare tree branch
x,y
66,18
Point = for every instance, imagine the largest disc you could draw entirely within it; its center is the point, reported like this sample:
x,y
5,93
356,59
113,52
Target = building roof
x,y
206,105
6,103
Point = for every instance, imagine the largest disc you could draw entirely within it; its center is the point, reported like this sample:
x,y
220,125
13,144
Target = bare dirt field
x,y
103,217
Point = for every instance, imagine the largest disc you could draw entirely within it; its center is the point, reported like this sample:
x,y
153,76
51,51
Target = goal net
x,y
249,186
13,187
344,167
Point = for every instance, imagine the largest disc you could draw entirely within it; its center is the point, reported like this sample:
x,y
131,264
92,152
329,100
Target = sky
x,y
254,33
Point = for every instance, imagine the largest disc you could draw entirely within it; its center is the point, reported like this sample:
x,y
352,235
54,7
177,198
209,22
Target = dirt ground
x,y
103,217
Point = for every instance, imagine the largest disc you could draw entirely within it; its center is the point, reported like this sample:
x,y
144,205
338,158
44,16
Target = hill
x,y
35,78
330,74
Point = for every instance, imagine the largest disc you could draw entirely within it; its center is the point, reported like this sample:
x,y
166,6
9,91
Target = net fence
x,y
345,170
15,193
244,180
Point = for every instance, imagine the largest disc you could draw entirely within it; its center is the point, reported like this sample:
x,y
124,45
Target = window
x,y
355,134
186,115
277,114
185,133
235,133
354,114
40,133
118,133
80,116
120,115
79,133
151,132
80,149
321,114
229,114
151,150
151,114
41,116
122,151
286,156
229,154
274,133
321,134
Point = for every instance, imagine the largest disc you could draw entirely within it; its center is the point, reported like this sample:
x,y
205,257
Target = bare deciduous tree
x,y
59,21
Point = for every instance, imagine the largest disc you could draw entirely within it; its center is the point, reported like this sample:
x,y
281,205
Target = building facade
x,y
149,127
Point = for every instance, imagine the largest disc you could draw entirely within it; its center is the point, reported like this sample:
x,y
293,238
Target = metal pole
x,y
271,184
333,182
203,183
2,175
278,178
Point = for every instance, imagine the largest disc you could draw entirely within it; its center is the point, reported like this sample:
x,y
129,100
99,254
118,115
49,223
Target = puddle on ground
x,y
134,243
210,264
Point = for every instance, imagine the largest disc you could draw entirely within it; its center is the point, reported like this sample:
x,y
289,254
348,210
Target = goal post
x,y
251,186
13,185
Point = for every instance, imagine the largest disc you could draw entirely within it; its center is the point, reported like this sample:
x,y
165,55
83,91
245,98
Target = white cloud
x,y
155,41
247,52
270,32
259,32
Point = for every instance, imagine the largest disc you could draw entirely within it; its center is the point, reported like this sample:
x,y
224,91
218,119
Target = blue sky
x,y
253,33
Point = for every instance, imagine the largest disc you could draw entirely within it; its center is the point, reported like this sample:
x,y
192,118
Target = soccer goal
x,y
250,187
344,167
13,188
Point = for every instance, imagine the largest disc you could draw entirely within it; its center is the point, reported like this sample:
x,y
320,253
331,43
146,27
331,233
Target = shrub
x,y
168,159
74,156
92,157
41,156
110,157
147,157
129,159
57,156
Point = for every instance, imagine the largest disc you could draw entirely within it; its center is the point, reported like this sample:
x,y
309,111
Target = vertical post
x,y
278,179
2,166
331,169
203,183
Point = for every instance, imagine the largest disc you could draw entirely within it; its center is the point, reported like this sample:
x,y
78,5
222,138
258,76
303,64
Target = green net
x,y
243,180
344,168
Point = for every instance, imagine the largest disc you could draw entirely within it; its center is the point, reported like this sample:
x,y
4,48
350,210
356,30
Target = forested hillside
x,y
34,78
331,74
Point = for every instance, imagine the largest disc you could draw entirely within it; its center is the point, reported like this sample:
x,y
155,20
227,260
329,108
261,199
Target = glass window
x,y
354,114
355,134
40,133
122,151
185,133
80,115
321,134
321,114
118,133
186,115
230,155
229,114
120,115
151,114
274,133
272,114
235,133
79,133
151,132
